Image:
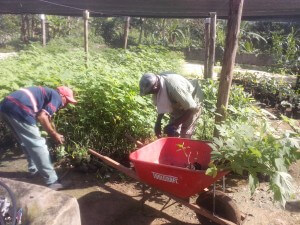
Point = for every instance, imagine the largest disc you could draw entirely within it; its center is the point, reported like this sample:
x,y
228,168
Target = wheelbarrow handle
x,y
138,143
115,164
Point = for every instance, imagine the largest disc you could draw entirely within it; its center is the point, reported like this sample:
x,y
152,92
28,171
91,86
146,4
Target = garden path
x,y
196,69
7,55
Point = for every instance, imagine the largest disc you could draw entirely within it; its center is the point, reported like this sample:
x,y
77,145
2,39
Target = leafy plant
x,y
254,148
109,102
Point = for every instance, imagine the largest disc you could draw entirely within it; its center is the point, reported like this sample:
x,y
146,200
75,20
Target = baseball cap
x,y
68,93
147,82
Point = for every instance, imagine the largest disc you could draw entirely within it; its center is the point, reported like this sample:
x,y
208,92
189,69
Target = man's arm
x,y
44,120
157,128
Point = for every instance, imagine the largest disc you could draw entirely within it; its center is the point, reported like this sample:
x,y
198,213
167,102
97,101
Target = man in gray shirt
x,y
177,96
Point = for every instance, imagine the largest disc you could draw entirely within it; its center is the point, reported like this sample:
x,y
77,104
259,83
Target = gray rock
x,y
41,205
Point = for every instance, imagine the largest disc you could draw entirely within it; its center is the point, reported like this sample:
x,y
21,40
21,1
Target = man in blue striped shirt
x,y
21,110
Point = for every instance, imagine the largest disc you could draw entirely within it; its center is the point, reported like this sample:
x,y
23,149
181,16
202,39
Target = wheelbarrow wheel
x,y
224,207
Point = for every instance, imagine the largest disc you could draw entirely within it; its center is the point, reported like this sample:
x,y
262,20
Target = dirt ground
x,y
118,200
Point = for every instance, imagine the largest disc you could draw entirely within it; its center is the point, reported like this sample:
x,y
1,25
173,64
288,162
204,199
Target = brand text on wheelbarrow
x,y
164,177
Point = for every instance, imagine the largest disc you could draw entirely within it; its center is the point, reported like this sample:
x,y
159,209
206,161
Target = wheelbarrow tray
x,y
163,164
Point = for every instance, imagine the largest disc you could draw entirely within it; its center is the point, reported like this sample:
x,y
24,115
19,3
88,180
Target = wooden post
x,y
164,31
212,44
27,26
69,25
233,30
206,54
32,26
86,16
48,35
126,30
43,21
141,30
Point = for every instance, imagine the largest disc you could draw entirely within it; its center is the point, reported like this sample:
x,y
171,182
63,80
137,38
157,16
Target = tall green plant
x,y
253,147
109,102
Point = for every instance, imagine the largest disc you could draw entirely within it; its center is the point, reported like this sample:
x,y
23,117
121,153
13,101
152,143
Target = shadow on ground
x,y
114,208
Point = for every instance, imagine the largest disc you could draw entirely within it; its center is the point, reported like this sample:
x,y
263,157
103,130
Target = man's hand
x,y
59,139
171,130
44,119
157,129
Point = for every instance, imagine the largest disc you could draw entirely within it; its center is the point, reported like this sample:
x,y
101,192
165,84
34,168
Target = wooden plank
x,y
233,30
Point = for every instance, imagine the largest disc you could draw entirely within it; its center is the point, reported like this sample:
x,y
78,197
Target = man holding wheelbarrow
x,y
21,110
177,96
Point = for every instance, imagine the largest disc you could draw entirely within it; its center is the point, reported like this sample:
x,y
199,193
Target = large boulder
x,y
42,205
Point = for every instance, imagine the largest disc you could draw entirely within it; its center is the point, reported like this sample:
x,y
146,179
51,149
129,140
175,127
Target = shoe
x,y
32,175
56,186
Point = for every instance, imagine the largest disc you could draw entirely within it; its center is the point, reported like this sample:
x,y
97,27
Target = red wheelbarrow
x,y
168,164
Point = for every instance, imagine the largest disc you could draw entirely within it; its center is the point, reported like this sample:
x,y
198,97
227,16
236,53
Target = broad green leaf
x,y
253,182
279,162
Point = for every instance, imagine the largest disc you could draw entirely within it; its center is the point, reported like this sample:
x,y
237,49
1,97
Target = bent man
x,y
177,96
21,110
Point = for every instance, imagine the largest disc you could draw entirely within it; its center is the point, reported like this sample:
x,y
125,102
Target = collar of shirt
x,y
162,100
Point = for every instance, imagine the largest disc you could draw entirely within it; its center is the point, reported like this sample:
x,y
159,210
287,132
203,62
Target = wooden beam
x,y
126,30
206,54
212,44
233,30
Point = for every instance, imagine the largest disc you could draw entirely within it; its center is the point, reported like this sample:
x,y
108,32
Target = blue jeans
x,y
34,147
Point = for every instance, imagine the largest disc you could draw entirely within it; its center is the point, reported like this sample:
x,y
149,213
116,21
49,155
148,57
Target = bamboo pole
x,y
43,22
126,31
212,44
206,54
233,30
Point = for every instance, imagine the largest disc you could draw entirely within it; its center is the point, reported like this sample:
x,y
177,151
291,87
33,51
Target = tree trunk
x,y
32,26
43,25
27,26
206,54
126,31
233,30
24,37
